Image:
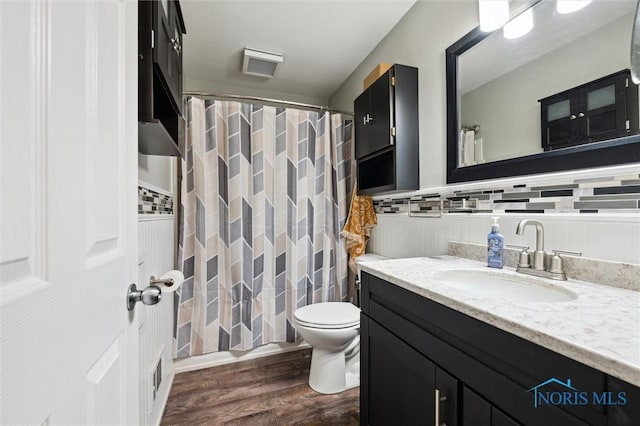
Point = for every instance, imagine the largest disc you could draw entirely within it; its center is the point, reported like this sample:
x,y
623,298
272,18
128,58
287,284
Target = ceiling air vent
x,y
260,63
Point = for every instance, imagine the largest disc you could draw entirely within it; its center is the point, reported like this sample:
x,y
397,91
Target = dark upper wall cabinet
x,y
167,52
603,109
386,147
160,30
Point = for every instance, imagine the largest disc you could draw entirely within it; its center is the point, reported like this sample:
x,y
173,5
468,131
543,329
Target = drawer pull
x,y
438,400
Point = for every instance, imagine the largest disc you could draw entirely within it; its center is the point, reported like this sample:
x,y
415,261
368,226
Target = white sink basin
x,y
503,285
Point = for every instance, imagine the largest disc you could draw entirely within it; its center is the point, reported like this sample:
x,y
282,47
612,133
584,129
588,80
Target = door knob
x,y
581,115
572,116
149,296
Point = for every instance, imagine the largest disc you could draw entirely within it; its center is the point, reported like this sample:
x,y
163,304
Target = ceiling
x,y
322,41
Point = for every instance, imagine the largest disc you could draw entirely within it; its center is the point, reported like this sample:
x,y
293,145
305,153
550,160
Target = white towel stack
x,y
468,148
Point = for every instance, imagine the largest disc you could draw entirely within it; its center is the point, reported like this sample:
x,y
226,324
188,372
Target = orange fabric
x,y
357,229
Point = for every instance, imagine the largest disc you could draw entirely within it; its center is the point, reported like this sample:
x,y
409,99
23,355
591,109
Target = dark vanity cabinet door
x,y
604,109
386,132
394,365
477,411
403,386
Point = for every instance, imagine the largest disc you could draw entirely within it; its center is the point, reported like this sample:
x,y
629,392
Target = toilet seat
x,y
328,315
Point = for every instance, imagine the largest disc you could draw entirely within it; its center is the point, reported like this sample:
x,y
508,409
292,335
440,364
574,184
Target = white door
x,y
68,206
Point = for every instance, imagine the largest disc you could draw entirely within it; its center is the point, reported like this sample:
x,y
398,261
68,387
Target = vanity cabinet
x,y
425,363
603,109
160,121
386,132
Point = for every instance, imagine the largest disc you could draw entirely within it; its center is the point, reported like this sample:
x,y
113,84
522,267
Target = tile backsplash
x,y
615,194
151,202
598,216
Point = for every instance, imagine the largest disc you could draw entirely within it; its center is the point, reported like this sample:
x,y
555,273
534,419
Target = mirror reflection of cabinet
x,y
603,109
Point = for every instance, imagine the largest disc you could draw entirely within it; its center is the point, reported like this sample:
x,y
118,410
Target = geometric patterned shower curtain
x,y
265,193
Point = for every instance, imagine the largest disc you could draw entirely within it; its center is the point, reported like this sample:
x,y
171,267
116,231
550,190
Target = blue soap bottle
x,y
495,246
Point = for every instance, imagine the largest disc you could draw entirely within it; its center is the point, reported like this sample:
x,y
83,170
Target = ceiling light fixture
x,y
519,26
569,6
260,63
493,14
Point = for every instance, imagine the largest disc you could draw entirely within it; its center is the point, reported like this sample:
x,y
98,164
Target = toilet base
x,y
330,373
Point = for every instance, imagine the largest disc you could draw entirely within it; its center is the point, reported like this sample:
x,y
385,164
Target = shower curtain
x,y
265,193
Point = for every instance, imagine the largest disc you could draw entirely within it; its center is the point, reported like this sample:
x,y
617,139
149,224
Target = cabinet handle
x,y
572,116
581,115
438,400
176,45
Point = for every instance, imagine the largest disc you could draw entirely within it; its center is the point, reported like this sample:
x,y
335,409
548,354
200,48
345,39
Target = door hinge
x,y
153,39
393,81
628,125
393,131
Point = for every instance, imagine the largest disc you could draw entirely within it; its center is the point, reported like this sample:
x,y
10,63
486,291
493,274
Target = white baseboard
x,y
214,359
165,399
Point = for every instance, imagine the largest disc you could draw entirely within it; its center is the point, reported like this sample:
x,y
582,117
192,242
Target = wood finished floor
x,y
267,391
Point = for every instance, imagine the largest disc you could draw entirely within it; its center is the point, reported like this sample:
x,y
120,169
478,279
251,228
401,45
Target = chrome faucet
x,y
538,255
555,269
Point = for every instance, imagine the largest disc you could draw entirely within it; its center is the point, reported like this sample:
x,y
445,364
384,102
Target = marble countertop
x,y
599,328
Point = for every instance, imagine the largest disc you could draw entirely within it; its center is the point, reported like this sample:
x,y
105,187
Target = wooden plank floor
x,y
271,390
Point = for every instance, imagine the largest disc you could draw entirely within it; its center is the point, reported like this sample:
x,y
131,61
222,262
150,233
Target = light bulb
x,y
520,25
569,6
493,14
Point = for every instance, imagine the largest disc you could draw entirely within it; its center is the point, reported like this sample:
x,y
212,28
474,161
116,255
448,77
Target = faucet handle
x,y
524,248
572,253
556,265
525,257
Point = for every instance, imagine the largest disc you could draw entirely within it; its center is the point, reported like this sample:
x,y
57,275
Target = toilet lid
x,y
329,314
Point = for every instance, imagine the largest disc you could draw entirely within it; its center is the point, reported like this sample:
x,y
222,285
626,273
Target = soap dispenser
x,y
495,246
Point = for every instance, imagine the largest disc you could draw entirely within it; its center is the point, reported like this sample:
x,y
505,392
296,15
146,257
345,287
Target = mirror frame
x,y
611,152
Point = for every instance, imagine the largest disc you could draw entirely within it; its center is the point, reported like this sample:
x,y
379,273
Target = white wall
x,y
420,40
507,108
157,170
155,257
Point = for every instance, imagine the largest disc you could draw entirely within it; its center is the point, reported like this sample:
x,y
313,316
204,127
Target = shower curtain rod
x,y
266,100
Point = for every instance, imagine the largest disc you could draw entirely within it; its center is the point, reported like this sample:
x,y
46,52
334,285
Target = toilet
x,y
333,331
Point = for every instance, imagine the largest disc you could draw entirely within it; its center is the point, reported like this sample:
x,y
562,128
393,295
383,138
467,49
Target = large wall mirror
x,y
559,97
